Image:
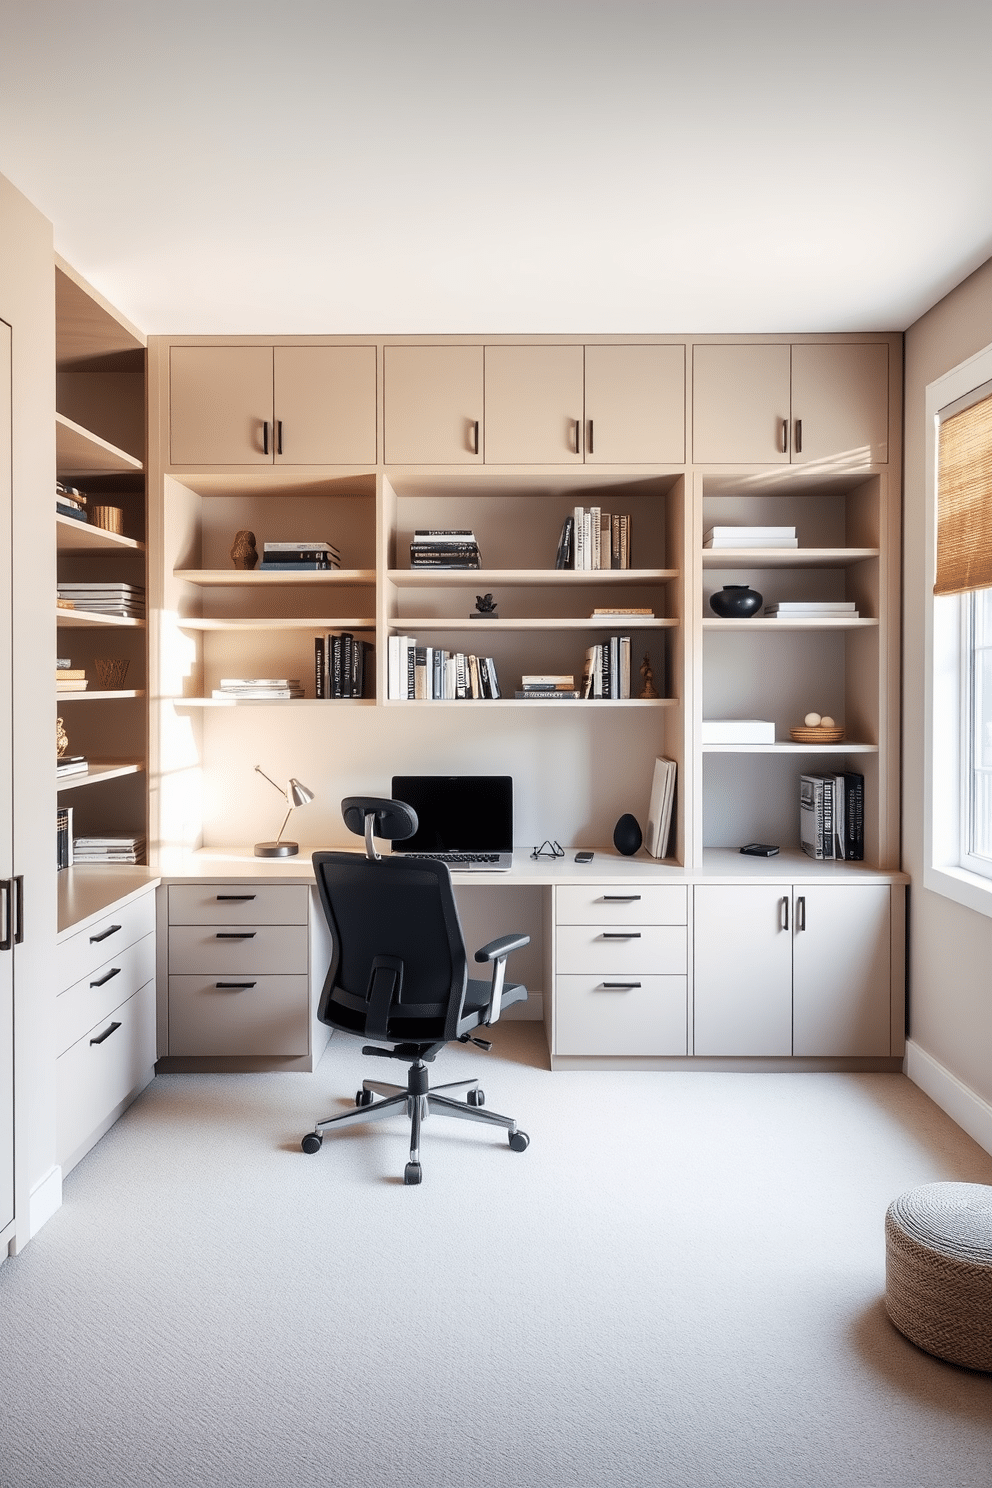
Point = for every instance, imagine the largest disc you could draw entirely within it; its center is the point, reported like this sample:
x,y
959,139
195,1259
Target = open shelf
x,y
561,705
785,557
80,618
430,578
768,622
598,622
80,453
82,537
790,748
98,696
244,578
317,624
241,702
100,770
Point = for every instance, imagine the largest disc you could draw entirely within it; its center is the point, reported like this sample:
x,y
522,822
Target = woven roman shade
x,y
964,500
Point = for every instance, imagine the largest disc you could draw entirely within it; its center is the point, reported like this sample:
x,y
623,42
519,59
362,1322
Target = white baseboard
x,y
45,1200
962,1104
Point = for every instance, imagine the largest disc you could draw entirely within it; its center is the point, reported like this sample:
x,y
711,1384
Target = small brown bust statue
x,y
244,553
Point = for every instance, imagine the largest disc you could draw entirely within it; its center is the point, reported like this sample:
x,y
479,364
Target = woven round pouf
x,y
938,1270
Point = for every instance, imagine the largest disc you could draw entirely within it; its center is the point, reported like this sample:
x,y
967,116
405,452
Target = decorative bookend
x,y
61,738
244,553
627,835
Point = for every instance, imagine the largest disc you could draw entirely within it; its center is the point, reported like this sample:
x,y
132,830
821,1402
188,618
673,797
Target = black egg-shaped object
x,y
627,835
735,602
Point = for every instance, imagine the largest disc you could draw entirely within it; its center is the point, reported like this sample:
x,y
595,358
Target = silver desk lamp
x,y
296,795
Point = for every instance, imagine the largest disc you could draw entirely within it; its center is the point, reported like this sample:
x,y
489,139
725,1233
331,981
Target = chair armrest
x,y
498,950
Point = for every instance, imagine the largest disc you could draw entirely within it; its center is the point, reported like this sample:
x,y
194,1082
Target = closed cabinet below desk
x,y
101,1070
604,949
620,1015
239,1015
260,950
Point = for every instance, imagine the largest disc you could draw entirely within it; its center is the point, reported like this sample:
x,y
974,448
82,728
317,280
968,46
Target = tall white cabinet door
x,y
433,408
221,405
534,405
841,984
324,405
840,403
6,797
742,969
635,405
741,405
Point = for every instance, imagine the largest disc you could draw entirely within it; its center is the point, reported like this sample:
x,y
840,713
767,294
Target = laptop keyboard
x,y
452,857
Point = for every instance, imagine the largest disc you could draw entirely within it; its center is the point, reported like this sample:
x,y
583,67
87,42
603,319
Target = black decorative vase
x,y
735,602
627,835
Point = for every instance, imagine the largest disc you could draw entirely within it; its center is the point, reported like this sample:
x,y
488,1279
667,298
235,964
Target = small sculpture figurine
x,y
244,553
485,607
61,738
648,690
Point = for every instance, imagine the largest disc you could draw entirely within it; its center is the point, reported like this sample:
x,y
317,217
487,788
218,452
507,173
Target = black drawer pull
x,y
616,986
232,986
233,898
620,935
620,898
235,935
105,1034
104,934
116,971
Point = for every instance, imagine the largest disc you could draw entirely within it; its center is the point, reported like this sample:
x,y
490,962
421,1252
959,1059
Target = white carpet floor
x,y
679,1283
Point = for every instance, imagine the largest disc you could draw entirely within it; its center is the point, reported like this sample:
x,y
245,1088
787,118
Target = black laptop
x,y
465,820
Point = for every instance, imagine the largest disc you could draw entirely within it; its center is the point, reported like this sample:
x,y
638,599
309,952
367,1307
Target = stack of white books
x,y
126,600
259,687
750,537
813,609
108,849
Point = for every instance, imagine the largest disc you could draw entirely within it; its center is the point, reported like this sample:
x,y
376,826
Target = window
x,y
976,732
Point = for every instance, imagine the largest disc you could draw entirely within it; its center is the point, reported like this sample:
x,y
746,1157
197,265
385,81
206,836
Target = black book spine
x,y
347,652
318,666
335,672
854,796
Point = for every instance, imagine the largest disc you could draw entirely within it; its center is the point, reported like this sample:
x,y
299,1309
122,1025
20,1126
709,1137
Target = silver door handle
x,y
785,912
801,913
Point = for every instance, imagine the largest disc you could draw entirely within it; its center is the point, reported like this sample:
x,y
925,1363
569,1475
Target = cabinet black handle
x,y
616,987
798,440
475,426
785,913
233,898
620,935
578,436
590,436
785,436
6,943
104,934
235,935
801,913
620,898
232,986
278,436
108,978
265,436
18,883
105,1034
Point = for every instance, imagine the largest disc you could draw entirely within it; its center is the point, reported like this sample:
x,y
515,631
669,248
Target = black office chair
x,y
399,974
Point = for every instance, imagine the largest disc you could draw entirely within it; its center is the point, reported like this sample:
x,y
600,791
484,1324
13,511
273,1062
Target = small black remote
x,y
760,850
583,857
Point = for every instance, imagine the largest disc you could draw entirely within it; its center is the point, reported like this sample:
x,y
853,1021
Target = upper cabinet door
x,y
324,405
840,403
534,405
741,405
221,405
433,405
635,405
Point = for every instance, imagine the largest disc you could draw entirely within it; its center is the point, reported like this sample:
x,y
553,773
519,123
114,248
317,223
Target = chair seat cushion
x,y
938,1270
477,996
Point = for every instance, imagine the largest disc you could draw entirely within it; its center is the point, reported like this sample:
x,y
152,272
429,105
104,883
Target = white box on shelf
x,y
738,731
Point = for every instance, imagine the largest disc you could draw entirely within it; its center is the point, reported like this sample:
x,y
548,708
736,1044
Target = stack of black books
x,y
70,503
444,547
832,816
298,557
340,662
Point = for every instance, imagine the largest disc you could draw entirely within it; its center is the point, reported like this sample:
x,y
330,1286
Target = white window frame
x,y
946,785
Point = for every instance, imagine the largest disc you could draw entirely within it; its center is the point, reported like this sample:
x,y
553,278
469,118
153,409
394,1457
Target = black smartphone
x,y
583,857
760,850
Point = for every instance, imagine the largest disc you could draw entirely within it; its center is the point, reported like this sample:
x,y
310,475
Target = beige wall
x,y
950,946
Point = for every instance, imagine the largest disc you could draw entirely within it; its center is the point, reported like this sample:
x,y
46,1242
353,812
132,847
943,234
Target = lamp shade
x,y
297,794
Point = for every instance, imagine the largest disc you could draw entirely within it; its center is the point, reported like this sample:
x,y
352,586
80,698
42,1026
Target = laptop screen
x,y
458,813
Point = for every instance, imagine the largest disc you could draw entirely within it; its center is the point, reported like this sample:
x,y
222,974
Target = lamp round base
x,y
276,849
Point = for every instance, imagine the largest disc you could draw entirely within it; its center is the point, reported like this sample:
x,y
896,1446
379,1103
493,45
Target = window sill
x,y
969,889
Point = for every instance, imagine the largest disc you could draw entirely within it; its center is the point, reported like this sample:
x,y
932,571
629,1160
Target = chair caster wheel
x,y
519,1141
312,1142
364,1098
412,1173
476,1097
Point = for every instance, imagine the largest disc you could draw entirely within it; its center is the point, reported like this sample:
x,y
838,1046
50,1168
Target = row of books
x,y
269,688
340,663
750,537
70,850
430,674
832,816
554,685
593,539
813,609
607,669
298,557
126,600
69,502
70,679
444,547
71,764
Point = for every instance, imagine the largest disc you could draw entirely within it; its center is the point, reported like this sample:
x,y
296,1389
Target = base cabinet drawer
x,y
658,950
92,999
230,1015
622,904
621,1015
102,1068
238,904
79,954
278,950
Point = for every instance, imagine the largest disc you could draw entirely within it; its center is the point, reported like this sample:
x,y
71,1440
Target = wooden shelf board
x,y
195,702
100,770
93,618
242,578
531,703
598,622
78,452
768,622
99,696
790,748
446,578
87,327
785,557
317,623
80,537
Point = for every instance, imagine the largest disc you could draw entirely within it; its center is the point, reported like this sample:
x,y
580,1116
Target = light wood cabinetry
x,y
534,405
634,405
809,404
264,405
8,888
433,406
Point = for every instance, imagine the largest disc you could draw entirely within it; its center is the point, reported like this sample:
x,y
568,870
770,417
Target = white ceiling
x,y
425,166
